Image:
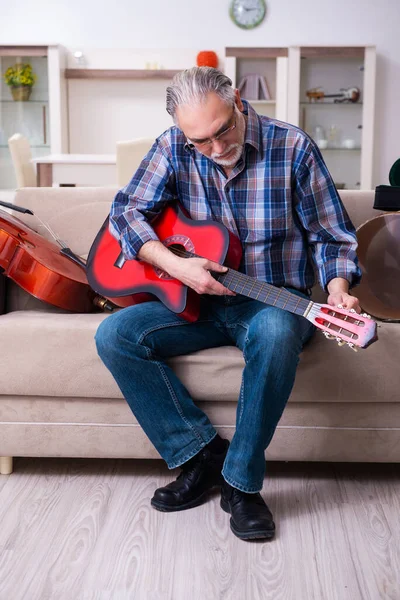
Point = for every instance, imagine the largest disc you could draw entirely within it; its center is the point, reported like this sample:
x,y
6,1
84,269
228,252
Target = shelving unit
x,y
332,69
42,118
268,63
120,73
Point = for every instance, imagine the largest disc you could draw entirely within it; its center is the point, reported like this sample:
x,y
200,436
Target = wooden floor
x,y
84,530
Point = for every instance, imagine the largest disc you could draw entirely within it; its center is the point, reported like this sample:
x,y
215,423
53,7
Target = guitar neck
x,y
253,288
264,292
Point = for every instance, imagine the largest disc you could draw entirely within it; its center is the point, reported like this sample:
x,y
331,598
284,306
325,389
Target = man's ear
x,y
238,100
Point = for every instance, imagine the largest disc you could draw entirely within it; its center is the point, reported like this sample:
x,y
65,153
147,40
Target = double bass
x,y
42,269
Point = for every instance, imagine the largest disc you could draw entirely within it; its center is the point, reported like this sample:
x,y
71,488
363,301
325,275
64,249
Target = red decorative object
x,y
207,58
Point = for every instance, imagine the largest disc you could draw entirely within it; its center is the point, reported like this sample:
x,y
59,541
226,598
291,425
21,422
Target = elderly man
x,y
267,183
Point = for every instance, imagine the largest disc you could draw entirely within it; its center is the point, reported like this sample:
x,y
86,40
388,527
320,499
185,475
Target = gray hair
x,y
192,86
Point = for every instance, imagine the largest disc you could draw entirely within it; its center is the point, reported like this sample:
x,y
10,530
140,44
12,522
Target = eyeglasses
x,y
209,142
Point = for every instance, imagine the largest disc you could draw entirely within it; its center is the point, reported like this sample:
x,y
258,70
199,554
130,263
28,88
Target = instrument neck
x,y
253,288
262,291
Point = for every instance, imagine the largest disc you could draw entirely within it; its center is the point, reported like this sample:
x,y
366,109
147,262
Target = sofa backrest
x,y
359,205
76,215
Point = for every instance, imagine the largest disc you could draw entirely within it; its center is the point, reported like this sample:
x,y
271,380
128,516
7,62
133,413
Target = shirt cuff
x,y
340,268
132,239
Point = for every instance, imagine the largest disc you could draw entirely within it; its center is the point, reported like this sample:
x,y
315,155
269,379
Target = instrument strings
x,y
49,229
254,287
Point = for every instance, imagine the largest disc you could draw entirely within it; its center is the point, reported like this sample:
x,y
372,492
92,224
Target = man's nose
x,y
218,146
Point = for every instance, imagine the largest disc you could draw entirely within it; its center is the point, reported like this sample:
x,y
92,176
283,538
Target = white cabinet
x,y
42,118
322,100
260,69
344,129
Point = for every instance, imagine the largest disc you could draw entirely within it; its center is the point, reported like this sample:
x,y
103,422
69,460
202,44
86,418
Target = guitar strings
x,y
259,290
250,285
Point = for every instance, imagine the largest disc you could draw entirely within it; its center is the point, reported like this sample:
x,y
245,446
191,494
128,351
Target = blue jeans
x,y
134,343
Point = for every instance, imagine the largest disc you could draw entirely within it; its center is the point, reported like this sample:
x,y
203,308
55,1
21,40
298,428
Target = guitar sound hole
x,y
179,245
178,249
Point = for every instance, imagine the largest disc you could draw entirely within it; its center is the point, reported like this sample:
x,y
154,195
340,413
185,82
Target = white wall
x,y
206,24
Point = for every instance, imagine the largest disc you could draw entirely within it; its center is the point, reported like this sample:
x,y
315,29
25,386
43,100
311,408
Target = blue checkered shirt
x,y
279,200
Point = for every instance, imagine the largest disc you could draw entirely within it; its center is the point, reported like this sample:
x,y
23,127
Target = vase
x,y
21,93
207,58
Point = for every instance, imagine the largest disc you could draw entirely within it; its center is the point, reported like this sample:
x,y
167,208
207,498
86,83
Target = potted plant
x,y
20,78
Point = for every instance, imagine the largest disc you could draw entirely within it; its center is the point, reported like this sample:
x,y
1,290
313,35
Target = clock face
x,y
248,13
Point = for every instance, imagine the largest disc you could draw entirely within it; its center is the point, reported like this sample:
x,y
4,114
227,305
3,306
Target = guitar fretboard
x,y
253,288
262,291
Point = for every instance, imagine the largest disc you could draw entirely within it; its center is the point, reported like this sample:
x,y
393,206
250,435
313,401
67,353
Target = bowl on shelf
x,y
349,144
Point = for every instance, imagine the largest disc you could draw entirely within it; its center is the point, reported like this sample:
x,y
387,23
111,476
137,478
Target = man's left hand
x,y
344,300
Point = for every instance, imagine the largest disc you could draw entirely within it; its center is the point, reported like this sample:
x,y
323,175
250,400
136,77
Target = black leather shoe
x,y
199,475
250,516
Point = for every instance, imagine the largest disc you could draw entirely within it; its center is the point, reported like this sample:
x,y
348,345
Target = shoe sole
x,y
250,534
192,504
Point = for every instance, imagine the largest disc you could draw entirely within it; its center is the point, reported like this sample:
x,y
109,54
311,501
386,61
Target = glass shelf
x,y
31,145
18,103
261,101
312,104
356,149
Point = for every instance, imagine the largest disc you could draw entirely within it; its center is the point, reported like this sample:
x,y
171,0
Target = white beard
x,y
228,162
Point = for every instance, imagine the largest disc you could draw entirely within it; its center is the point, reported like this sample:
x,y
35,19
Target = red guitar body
x,y
138,281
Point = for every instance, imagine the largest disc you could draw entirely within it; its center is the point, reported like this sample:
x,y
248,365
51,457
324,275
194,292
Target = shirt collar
x,y
253,130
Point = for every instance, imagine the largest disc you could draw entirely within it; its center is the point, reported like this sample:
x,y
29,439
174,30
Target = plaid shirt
x,y
279,200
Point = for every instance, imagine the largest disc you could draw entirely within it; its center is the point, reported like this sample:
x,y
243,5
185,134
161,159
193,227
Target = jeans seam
x,y
173,395
241,395
241,401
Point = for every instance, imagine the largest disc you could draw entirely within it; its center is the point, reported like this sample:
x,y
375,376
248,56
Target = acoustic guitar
x,y
133,281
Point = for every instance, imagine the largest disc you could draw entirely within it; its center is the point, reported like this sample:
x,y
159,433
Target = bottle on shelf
x,y
333,137
319,136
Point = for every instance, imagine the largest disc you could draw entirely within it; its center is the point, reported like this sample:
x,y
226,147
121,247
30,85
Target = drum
x,y
379,256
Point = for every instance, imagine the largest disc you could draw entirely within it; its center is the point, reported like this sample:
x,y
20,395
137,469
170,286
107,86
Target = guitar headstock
x,y
344,326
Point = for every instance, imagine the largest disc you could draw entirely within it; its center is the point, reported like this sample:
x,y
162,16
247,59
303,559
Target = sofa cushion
x,y
55,355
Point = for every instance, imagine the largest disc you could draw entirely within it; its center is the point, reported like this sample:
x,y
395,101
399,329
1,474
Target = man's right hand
x,y
193,272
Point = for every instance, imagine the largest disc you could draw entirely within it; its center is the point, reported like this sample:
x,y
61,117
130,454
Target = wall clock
x,y
247,13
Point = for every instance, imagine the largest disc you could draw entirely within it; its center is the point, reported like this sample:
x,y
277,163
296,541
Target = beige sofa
x,y
57,398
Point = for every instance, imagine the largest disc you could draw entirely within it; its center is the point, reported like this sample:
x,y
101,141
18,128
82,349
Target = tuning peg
x,y
340,342
366,315
328,336
352,346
